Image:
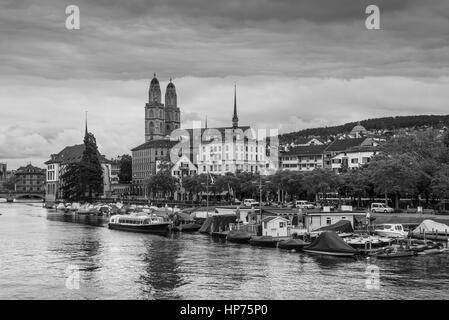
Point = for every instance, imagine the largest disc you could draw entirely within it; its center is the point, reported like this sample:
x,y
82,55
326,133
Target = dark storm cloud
x,y
254,10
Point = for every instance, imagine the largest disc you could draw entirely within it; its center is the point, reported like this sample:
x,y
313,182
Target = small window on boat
x,y
328,220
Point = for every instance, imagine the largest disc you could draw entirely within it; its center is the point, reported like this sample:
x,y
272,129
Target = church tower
x,y
172,113
235,118
154,113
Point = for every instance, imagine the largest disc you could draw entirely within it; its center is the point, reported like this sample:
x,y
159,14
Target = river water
x,y
40,250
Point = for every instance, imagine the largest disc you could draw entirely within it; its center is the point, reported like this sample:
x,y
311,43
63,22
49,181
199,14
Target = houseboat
x,y
141,222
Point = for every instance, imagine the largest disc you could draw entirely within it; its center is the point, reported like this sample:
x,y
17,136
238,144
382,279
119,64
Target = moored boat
x,y
392,253
239,236
367,242
264,241
139,223
329,243
391,230
292,244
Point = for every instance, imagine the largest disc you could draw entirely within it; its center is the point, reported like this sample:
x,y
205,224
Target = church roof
x,y
73,154
162,143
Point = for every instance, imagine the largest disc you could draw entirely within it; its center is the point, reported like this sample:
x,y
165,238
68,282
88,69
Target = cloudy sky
x,y
297,64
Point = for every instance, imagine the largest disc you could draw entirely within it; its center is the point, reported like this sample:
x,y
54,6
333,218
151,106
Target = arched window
x,y
150,113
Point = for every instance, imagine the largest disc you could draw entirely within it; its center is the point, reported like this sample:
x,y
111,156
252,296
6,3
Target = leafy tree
x,y
72,188
84,180
440,183
162,184
393,175
10,184
91,171
125,174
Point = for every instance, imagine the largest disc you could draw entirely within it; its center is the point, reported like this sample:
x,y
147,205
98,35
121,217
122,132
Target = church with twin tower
x,y
160,119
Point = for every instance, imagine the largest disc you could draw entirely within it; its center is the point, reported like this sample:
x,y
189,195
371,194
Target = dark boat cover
x,y
340,226
329,241
293,242
217,223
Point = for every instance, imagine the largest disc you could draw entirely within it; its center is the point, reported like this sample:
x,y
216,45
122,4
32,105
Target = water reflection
x,y
76,218
161,274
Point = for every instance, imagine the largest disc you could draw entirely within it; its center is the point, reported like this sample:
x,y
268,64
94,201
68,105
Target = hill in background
x,y
382,124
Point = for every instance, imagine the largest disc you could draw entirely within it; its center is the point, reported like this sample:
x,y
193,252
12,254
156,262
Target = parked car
x,y
303,204
250,203
381,207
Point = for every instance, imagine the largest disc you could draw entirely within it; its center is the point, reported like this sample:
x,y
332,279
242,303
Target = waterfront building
x,y
234,149
145,160
303,158
58,163
30,180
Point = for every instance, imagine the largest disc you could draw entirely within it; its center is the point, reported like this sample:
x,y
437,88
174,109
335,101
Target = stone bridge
x,y
22,195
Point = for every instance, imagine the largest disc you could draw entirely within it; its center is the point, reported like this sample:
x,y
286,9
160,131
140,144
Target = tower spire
x,y
86,132
206,121
235,119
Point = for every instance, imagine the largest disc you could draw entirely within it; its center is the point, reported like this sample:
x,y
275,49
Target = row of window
x,y
239,156
218,168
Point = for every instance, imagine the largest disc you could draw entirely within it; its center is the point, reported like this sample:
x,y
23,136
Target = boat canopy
x,y
430,226
343,226
329,241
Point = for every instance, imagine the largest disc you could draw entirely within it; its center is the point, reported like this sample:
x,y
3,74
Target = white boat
x,y
367,241
140,222
390,230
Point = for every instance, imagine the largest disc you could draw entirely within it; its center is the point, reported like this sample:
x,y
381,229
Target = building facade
x,y
303,158
30,180
233,149
145,159
354,158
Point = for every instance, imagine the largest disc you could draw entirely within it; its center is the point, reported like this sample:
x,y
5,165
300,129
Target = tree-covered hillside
x,y
387,123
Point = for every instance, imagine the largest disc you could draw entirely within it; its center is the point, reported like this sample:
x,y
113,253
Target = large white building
x,y
236,148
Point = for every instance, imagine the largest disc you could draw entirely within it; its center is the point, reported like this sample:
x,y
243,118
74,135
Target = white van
x,y
303,204
381,207
250,203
